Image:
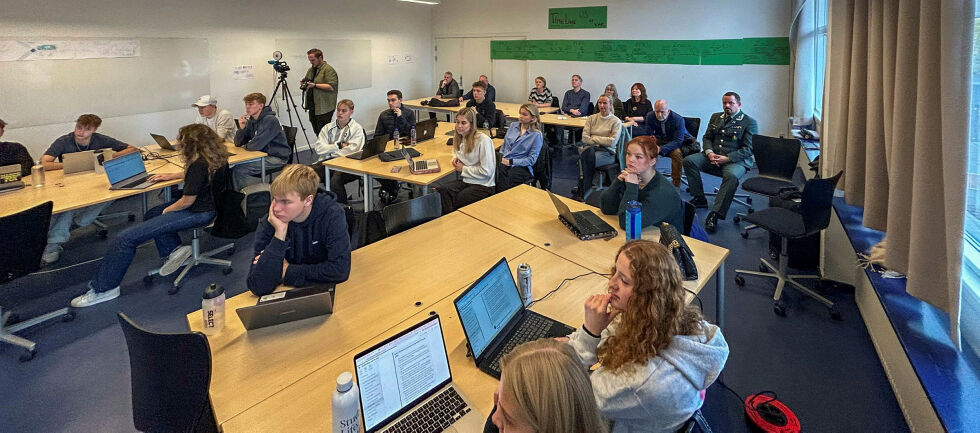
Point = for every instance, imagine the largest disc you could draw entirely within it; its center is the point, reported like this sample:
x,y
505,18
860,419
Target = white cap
x,y
204,101
345,381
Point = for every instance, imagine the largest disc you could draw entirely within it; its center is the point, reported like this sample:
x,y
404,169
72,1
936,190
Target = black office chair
x,y
25,234
809,217
696,424
404,215
170,375
776,159
542,169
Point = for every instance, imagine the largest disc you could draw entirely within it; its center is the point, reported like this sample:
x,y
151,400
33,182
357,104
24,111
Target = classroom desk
x,y
511,109
563,120
374,167
74,191
528,213
390,281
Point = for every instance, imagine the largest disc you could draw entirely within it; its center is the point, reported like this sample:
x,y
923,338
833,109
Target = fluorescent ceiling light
x,y
425,2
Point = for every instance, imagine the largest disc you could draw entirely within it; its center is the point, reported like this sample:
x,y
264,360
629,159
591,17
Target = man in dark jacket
x,y
396,116
304,240
260,131
671,133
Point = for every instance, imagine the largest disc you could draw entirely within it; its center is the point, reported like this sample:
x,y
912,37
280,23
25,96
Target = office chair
x,y
809,217
542,169
776,159
402,216
228,224
170,375
25,234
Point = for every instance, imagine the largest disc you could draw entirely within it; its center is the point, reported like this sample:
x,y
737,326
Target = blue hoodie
x,y
662,394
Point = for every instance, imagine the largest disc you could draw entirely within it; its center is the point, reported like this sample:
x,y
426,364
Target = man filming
x,y
320,84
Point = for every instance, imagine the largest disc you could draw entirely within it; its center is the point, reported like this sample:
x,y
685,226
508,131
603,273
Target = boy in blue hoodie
x,y
304,240
260,131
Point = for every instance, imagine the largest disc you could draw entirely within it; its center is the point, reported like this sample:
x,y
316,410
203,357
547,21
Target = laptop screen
x,y
400,371
486,307
124,167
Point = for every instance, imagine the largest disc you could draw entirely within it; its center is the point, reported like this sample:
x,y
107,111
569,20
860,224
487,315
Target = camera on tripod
x,y
277,63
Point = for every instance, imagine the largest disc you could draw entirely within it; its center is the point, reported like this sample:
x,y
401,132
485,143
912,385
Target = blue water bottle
x,y
634,221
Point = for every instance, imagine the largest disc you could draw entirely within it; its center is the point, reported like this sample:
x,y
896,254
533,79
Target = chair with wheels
x,y
25,234
807,217
407,214
170,375
609,171
776,159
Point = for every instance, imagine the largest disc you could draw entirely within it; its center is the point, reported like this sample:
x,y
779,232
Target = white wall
x,y
690,90
238,33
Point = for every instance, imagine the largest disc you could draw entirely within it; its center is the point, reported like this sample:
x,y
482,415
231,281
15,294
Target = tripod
x,y
287,98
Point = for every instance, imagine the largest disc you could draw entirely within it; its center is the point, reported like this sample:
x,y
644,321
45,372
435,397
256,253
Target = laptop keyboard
x,y
435,415
534,327
585,225
134,183
421,165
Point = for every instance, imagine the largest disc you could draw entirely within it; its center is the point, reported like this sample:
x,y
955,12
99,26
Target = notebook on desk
x,y
495,320
288,306
585,224
406,385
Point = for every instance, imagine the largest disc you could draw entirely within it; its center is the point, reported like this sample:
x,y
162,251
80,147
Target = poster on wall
x,y
590,17
24,50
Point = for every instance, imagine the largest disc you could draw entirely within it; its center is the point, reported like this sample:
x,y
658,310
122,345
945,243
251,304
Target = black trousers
x,y
338,184
509,176
318,122
457,194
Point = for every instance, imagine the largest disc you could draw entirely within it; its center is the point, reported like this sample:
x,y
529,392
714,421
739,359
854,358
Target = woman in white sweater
x,y
656,352
599,136
474,160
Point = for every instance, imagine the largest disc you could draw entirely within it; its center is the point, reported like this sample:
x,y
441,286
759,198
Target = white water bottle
x,y
346,405
213,308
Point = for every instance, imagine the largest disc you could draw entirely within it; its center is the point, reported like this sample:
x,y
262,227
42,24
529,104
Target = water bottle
x,y
37,175
413,136
394,136
345,406
213,308
634,222
486,125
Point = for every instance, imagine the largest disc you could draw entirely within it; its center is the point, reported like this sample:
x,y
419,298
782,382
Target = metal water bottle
x,y
213,308
413,135
524,283
345,405
634,221
37,175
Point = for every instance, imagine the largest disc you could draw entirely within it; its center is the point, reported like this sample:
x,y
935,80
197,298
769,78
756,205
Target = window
x,y
970,293
820,55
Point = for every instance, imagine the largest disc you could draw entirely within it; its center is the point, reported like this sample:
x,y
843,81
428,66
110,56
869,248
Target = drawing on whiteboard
x,y
17,50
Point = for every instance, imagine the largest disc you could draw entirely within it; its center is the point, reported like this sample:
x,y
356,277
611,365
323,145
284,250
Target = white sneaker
x,y
176,260
51,255
92,297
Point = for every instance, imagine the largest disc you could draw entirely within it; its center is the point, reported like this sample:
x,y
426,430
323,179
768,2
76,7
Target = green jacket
x,y
731,136
324,101
659,202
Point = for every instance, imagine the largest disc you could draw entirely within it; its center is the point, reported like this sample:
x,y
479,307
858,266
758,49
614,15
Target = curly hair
x,y
200,141
655,313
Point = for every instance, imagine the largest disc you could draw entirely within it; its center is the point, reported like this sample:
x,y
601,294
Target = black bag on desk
x,y
672,239
440,103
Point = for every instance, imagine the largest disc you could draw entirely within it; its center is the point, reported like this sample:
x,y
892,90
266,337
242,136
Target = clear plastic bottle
x,y
413,136
37,175
213,309
345,406
394,136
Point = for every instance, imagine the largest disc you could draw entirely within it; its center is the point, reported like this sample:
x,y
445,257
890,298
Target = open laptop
x,y
423,166
10,178
86,160
371,148
288,306
424,130
585,224
406,385
127,172
163,142
495,321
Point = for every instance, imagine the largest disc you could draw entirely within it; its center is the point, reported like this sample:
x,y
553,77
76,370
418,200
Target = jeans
x,y
249,173
60,229
730,174
160,227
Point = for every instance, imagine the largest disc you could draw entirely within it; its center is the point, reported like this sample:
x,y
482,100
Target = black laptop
x,y
373,147
495,321
288,306
162,142
585,224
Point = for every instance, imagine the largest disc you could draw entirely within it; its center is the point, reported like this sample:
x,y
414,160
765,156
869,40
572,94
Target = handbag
x,y
672,239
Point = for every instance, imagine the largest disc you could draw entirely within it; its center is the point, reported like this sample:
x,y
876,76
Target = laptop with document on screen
x,y
495,320
406,385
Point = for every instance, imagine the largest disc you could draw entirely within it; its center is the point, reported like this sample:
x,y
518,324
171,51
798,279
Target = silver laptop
x,y
406,385
288,306
127,172
162,141
86,160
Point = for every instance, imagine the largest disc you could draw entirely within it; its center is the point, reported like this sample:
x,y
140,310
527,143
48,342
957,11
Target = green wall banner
x,y
746,51
592,17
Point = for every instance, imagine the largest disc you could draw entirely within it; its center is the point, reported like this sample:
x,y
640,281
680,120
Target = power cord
x,y
765,413
562,283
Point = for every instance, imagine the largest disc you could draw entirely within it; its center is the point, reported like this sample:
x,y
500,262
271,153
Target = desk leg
x,y
720,295
425,189
326,177
263,171
143,201
368,198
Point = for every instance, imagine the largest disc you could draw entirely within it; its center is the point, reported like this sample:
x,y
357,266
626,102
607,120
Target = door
x,y
468,58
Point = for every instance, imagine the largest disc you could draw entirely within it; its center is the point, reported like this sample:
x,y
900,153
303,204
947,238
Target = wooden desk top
x,y
387,279
528,213
78,190
434,148
563,120
510,109
305,405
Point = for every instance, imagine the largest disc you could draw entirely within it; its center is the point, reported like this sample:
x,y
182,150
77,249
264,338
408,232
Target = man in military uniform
x,y
727,153
320,84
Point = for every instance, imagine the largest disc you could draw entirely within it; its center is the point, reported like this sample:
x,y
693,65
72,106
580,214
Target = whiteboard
x,y
350,58
167,74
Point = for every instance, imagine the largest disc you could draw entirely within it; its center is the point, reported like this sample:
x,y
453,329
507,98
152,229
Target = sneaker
x,y
52,255
699,202
711,222
92,297
175,260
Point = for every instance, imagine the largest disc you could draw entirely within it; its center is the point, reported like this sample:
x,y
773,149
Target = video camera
x,y
277,63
